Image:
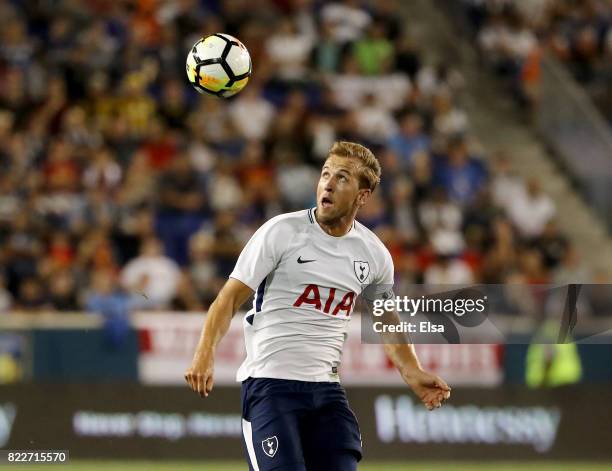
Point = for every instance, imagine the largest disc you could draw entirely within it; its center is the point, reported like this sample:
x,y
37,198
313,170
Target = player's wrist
x,y
411,373
205,353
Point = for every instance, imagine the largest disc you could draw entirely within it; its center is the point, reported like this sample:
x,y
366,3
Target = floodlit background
x,y
126,197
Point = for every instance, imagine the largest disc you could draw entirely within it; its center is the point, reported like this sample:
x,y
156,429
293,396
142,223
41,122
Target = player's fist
x,y
431,389
199,375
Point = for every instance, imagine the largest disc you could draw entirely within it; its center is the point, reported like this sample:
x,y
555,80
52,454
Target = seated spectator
x,y
202,267
104,297
531,209
229,240
441,219
186,298
551,244
571,268
289,51
374,50
327,52
224,191
350,87
181,208
374,122
152,278
532,267
63,292
459,174
402,210
448,271
505,184
347,19
448,119
295,179
431,80
103,172
409,139
32,296
251,114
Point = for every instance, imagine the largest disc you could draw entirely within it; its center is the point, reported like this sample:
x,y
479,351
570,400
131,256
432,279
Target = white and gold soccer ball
x,y
219,65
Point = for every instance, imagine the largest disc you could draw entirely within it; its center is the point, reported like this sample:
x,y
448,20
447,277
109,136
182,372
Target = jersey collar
x,y
312,219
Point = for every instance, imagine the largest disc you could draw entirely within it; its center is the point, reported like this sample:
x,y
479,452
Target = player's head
x,y
350,174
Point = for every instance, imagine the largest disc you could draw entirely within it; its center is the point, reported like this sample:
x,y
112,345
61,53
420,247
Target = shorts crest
x,y
270,446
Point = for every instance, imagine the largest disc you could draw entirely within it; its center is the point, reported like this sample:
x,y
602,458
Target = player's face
x,y
338,190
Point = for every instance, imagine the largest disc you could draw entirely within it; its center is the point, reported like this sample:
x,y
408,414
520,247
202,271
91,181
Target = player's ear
x,y
363,196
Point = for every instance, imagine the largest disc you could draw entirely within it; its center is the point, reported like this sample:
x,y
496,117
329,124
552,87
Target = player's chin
x,y
325,211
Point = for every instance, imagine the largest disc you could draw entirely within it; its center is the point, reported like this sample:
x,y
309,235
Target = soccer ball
x,y
219,65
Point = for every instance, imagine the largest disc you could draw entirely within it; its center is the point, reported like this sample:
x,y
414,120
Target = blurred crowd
x,y
122,188
513,34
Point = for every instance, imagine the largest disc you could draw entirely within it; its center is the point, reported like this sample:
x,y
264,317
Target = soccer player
x,y
306,269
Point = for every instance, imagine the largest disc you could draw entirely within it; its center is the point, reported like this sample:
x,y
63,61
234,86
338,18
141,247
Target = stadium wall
x,y
131,421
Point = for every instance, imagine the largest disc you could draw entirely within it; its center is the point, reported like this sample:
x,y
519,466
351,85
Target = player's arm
x,y
431,389
200,374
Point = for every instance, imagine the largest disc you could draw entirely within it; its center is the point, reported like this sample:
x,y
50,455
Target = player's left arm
x,y
431,389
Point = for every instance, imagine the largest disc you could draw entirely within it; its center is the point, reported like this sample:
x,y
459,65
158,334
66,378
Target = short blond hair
x,y
369,168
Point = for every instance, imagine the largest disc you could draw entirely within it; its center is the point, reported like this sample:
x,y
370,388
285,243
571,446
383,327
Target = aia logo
x,y
270,446
312,296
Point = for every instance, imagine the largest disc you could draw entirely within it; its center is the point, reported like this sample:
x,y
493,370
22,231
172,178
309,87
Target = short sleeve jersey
x,y
306,283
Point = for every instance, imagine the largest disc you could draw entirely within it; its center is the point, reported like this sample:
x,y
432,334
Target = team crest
x,y
270,446
362,270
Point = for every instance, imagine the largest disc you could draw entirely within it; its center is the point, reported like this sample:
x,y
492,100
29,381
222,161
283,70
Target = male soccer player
x,y
306,268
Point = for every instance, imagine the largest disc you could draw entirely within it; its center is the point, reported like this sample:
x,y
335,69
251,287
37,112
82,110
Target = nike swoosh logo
x,y
304,261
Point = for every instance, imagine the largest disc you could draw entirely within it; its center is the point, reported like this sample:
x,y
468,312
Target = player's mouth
x,y
326,202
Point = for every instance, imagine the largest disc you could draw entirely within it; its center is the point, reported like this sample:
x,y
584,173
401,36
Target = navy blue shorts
x,y
292,425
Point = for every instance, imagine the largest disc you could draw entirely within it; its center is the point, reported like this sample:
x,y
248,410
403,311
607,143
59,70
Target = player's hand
x,y
431,389
200,375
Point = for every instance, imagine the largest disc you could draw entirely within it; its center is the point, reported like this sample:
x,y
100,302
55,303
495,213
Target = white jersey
x,y
306,283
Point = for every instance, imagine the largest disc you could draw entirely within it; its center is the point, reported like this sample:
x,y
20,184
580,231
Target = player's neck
x,y
336,228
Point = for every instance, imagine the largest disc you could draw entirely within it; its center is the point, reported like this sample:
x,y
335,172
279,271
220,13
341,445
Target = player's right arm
x,y
199,376
258,258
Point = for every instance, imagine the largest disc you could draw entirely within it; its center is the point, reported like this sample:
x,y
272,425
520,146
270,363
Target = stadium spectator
x,y
461,175
374,51
512,36
409,139
531,209
104,295
571,268
105,149
347,19
63,292
152,278
448,271
182,207
202,267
